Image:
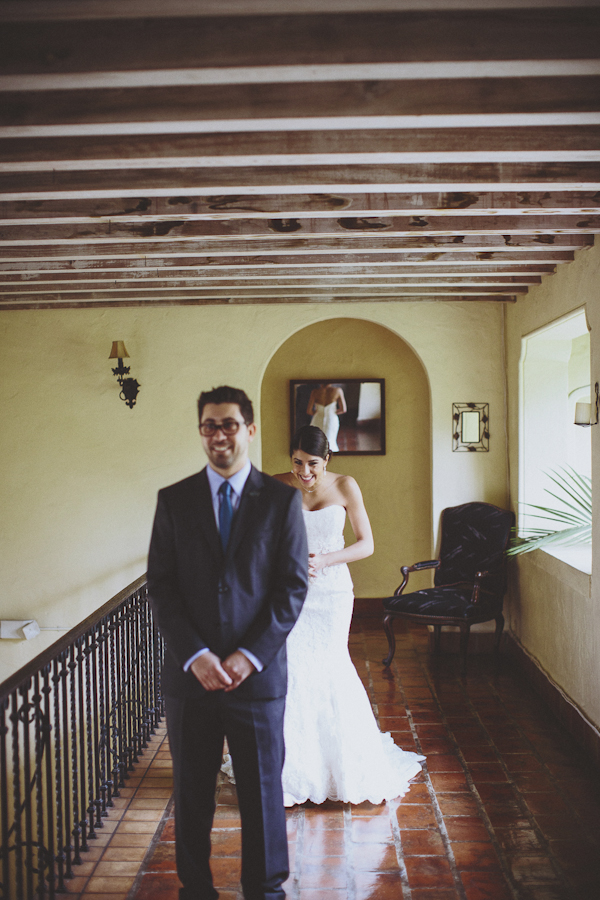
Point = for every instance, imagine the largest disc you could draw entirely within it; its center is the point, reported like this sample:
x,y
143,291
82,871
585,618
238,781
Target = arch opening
x,y
397,487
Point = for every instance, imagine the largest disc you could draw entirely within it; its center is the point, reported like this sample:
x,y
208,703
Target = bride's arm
x,y
363,546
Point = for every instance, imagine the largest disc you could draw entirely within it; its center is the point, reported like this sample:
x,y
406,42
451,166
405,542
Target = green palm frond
x,y
575,514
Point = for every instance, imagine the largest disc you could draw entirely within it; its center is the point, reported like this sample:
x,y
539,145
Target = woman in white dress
x,y
334,749
325,404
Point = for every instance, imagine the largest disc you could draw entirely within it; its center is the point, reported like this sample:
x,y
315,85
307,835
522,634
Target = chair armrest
x,y
479,576
417,567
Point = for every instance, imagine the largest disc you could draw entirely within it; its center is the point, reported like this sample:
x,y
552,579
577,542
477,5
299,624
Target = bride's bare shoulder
x,y
347,486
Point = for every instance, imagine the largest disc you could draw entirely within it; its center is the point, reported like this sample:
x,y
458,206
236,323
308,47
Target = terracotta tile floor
x,y
506,807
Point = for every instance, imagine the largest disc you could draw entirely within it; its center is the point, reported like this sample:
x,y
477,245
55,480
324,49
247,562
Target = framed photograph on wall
x,y
351,412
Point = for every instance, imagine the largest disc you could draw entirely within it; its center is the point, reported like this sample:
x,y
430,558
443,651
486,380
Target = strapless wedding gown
x,y
333,747
327,420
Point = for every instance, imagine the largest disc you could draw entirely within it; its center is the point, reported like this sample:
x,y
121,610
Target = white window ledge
x,y
579,556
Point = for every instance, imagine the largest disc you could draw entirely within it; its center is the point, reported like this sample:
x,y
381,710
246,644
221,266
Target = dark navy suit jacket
x,y
248,597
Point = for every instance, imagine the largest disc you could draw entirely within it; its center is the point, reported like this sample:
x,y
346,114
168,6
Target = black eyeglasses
x,y
229,427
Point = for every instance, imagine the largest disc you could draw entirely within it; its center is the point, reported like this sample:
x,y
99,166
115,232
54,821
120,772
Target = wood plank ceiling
x,y
268,151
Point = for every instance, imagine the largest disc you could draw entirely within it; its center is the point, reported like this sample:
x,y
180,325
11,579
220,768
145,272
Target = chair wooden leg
x,y
465,630
437,634
389,630
498,634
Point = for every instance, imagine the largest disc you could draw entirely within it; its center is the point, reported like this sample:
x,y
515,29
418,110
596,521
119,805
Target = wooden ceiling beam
x,y
301,206
235,301
50,150
383,226
272,263
163,43
316,280
273,101
268,292
32,272
259,294
359,274
368,246
459,177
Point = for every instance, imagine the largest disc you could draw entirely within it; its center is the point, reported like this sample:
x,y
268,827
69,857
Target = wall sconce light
x,y
129,386
584,415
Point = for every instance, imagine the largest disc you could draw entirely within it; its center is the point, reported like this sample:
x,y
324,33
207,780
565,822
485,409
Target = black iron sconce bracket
x,y
130,387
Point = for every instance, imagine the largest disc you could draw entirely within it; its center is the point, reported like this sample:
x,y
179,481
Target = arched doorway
x,y
397,486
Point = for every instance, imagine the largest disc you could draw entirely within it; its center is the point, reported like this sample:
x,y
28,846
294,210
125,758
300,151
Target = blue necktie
x,y
225,513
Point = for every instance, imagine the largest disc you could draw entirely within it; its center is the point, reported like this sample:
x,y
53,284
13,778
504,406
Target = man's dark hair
x,y
226,394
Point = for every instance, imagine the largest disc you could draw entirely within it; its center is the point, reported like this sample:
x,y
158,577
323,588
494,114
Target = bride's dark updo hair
x,y
312,440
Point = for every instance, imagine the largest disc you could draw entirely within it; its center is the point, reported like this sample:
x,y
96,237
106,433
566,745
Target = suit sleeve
x,y
288,587
175,625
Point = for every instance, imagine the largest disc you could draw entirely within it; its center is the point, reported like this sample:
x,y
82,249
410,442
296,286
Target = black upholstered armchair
x,y
469,581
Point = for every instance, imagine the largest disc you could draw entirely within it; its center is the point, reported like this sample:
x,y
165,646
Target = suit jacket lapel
x,y
246,511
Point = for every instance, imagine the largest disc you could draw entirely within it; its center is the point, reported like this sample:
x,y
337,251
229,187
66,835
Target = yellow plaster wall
x,y
555,609
80,470
396,487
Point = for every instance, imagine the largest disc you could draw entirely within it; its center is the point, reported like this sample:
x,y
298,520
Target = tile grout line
x,y
151,848
504,864
459,886
297,875
519,799
473,788
117,816
349,860
545,842
392,811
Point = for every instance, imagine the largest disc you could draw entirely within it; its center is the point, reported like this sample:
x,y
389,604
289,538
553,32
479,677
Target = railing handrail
x,y
50,653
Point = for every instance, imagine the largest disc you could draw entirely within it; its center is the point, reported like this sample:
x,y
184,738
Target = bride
x,y
334,749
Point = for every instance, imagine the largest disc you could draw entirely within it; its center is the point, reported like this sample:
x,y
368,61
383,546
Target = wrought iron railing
x,y
73,723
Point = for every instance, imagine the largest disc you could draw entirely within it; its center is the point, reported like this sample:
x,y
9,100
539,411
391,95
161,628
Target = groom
x,y
227,577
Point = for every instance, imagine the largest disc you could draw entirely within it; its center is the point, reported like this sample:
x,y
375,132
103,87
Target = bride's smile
x,y
308,469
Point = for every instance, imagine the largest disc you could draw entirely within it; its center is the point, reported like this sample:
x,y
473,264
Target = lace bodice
x,y
325,532
325,528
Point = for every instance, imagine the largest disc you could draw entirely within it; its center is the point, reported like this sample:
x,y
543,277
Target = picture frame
x,y
351,412
471,427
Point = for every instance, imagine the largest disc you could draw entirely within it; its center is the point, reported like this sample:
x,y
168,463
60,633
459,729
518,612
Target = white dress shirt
x,y
237,483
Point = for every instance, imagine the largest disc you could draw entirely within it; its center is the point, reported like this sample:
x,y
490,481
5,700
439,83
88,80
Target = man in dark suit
x,y
227,577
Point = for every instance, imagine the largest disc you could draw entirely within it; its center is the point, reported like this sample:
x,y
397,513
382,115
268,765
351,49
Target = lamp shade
x,y
118,351
583,413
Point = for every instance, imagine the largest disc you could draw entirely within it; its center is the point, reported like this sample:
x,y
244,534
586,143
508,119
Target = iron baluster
x,y
108,781
102,723
81,731
4,798
76,832
58,739
120,706
89,734
49,805
41,741
17,830
135,694
67,847
115,704
96,801
27,782
128,688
